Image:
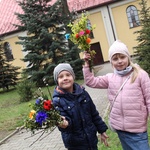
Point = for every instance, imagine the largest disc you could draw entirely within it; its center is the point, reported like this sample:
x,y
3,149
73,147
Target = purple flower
x,y
37,101
41,116
67,36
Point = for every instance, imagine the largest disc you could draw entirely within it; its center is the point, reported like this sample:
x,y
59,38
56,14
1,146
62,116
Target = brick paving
x,y
22,140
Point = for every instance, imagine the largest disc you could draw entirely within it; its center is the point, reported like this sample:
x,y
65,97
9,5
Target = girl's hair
x,y
136,69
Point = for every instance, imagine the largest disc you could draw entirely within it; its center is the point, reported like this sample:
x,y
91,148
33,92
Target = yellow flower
x,y
32,112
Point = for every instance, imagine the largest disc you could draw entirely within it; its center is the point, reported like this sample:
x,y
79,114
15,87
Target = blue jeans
x,y
133,141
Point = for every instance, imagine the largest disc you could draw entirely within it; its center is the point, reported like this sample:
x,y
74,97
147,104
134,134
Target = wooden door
x,y
98,60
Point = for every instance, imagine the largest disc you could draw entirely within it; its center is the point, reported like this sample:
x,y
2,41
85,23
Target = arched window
x,y
132,15
8,52
89,26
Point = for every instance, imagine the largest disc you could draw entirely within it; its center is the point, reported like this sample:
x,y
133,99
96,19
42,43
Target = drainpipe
x,y
111,23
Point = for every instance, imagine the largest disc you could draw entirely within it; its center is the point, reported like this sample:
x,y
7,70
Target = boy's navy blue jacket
x,y
84,120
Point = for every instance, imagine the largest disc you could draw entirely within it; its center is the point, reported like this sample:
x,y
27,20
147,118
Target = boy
x,y
81,120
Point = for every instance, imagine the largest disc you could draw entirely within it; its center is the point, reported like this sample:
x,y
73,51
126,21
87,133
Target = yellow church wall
x,y
99,33
124,32
148,3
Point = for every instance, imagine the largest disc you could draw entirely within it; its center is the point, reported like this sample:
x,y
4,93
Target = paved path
x,y
22,139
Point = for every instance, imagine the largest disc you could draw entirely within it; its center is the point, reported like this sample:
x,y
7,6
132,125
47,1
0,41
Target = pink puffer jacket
x,y
132,105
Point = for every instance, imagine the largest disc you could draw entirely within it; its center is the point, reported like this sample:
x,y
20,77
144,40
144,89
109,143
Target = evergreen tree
x,y
8,73
72,55
45,44
143,38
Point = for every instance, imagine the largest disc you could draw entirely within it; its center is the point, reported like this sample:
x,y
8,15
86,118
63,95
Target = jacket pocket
x,y
85,104
68,109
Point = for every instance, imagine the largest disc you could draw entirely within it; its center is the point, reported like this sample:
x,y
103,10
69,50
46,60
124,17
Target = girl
x,y
131,106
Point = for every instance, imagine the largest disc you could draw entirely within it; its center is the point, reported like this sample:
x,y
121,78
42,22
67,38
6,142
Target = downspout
x,y
111,23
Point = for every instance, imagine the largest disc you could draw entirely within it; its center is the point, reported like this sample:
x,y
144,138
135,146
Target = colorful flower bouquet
x,y
81,34
42,116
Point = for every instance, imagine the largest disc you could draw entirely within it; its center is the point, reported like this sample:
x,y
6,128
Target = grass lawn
x,y
12,112
113,141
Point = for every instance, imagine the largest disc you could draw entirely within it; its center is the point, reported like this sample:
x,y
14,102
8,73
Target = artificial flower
x,y
41,117
67,36
77,36
81,33
32,112
88,40
37,101
87,31
47,105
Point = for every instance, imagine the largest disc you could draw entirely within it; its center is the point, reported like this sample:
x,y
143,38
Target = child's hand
x,y
104,138
64,123
86,58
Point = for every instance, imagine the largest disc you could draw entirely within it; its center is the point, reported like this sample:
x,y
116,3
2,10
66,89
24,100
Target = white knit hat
x,y
118,47
62,67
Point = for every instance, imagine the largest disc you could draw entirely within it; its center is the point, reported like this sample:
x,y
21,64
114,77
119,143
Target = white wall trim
x,y
107,24
119,3
15,35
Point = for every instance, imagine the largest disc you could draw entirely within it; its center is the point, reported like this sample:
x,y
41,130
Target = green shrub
x,y
26,89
